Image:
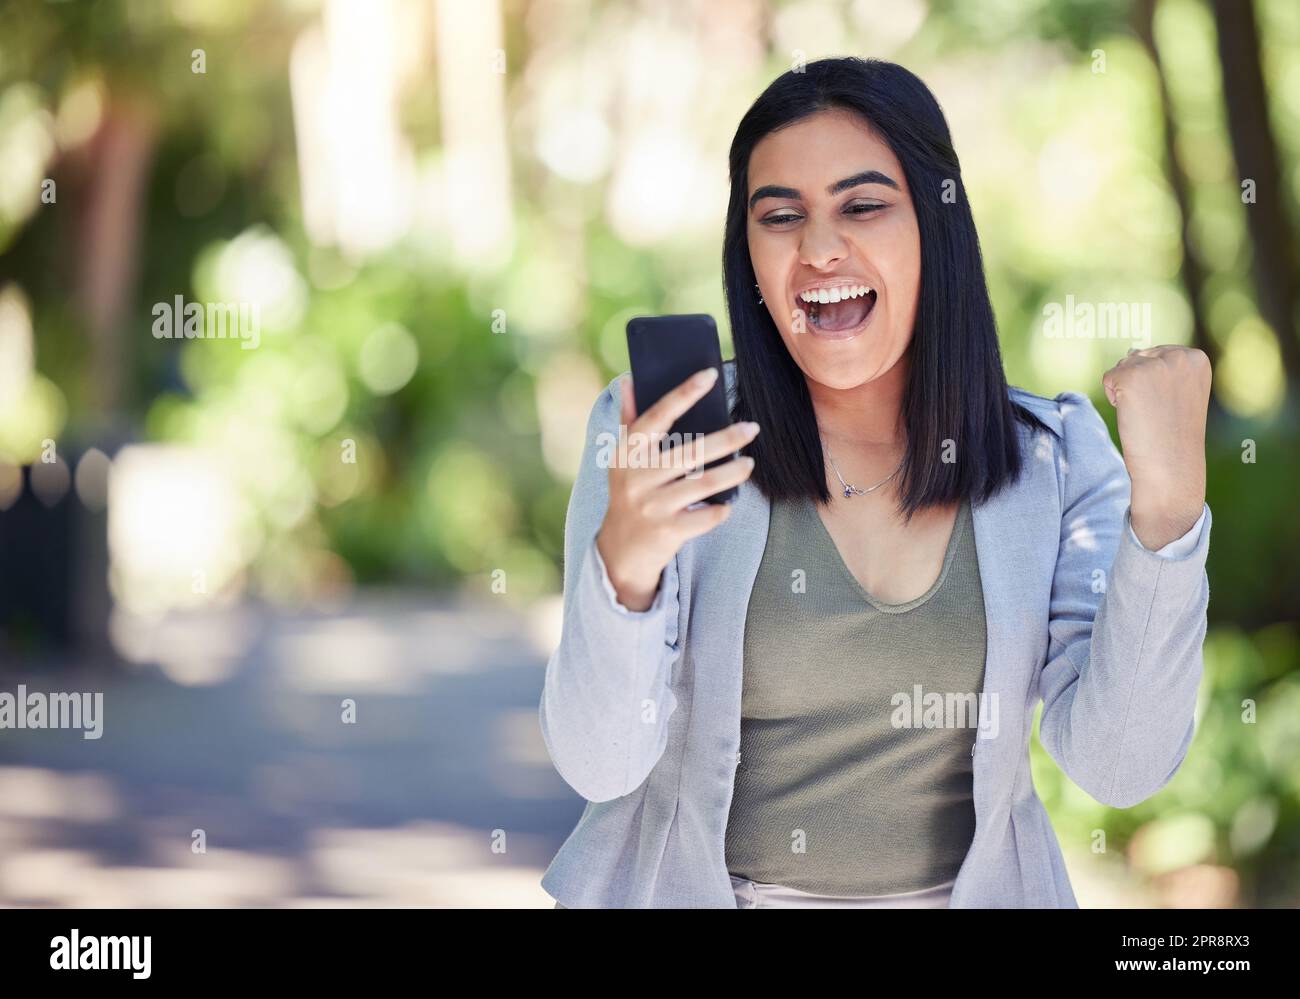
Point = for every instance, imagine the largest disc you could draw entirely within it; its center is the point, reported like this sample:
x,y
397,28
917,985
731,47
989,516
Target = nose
x,y
822,246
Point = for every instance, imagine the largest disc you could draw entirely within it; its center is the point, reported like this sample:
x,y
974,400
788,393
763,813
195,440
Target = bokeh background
x,y
444,213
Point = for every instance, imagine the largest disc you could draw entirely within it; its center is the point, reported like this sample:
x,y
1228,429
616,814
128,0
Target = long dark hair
x,y
956,390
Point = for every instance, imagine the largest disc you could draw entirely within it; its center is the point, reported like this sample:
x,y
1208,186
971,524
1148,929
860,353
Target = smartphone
x,y
664,352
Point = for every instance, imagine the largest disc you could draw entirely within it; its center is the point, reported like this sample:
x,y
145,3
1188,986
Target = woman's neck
x,y
868,418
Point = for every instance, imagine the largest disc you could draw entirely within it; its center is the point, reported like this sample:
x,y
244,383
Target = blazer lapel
x,y
728,558
1016,547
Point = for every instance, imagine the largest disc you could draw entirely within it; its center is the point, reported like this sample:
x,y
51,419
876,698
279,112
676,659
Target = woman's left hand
x,y
1161,396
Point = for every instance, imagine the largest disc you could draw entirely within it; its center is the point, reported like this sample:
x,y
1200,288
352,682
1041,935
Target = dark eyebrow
x,y
866,177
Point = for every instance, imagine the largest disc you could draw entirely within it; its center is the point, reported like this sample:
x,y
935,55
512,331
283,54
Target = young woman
x,y
822,694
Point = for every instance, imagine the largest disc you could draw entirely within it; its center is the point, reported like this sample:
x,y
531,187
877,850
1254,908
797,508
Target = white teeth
x,y
825,296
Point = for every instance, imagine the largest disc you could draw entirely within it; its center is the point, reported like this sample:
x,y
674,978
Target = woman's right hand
x,y
647,521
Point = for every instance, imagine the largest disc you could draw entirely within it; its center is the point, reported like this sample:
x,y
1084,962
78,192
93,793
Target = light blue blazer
x,y
640,711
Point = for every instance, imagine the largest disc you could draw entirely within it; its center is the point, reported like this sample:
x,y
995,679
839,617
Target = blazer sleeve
x,y
1126,629
1179,547
606,699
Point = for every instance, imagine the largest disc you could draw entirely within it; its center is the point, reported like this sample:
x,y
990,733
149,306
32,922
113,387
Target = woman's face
x,y
830,208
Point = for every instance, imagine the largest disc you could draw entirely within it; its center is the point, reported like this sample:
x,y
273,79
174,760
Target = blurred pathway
x,y
401,808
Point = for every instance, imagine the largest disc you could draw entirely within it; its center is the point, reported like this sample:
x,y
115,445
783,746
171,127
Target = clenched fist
x,y
1161,396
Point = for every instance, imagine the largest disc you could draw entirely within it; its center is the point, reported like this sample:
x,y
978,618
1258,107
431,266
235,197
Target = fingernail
x,y
750,427
706,376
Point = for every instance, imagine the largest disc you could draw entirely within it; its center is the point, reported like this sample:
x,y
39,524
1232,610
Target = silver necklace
x,y
850,490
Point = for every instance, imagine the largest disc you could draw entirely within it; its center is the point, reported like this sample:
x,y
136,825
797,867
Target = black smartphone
x,y
664,352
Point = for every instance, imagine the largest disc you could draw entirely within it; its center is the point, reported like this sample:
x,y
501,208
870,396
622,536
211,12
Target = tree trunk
x,y
1274,262
1193,277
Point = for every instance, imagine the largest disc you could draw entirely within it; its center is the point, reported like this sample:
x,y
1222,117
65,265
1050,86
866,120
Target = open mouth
x,y
841,316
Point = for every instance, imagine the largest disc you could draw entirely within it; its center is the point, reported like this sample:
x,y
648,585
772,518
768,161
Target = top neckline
x,y
955,537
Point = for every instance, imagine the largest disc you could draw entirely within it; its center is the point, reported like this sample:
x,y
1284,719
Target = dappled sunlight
x,y
1081,535
440,793
31,793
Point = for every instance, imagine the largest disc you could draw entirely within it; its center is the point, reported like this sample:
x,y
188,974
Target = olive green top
x,y
858,719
